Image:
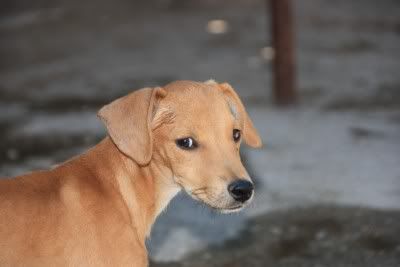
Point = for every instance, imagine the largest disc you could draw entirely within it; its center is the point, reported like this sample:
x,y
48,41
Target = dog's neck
x,y
145,190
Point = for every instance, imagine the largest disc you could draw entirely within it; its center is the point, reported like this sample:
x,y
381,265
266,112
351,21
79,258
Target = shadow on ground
x,y
314,236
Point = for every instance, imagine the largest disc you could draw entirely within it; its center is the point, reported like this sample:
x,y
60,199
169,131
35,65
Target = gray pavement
x,y
309,237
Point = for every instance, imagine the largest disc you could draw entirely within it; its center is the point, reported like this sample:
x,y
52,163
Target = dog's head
x,y
195,129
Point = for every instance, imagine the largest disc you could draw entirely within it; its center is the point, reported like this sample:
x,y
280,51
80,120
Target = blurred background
x,y
328,177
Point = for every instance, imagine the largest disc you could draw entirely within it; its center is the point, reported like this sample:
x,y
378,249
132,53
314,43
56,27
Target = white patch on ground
x,y
312,157
178,236
30,17
11,111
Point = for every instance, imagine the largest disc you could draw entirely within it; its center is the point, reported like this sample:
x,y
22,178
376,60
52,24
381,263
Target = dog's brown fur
x,y
97,209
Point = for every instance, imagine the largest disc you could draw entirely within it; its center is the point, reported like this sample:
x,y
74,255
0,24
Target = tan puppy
x,y
98,208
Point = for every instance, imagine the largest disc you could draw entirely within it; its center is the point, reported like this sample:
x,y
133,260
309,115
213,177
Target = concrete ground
x,y
62,60
314,236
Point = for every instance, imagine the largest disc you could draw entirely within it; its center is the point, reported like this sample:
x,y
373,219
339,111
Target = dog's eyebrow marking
x,y
232,106
233,109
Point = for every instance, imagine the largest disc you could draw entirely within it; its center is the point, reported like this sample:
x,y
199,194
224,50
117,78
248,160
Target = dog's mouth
x,y
225,210
221,204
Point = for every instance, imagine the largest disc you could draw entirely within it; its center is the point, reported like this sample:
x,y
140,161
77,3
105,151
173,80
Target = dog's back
x,y
62,217
29,209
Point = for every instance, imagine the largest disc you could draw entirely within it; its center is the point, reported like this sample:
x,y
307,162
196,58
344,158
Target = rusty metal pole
x,y
284,60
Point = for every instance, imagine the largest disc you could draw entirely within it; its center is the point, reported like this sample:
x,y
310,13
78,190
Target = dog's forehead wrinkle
x,y
197,112
164,114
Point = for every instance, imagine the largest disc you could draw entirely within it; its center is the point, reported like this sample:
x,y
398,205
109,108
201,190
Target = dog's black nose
x,y
241,190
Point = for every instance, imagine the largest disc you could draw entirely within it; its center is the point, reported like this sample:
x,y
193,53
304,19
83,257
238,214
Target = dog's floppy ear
x,y
250,134
128,122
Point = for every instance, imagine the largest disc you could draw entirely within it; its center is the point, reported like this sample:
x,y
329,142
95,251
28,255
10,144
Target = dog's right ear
x,y
128,122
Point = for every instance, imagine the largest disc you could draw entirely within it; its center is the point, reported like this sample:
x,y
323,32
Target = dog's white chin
x,y
224,210
231,210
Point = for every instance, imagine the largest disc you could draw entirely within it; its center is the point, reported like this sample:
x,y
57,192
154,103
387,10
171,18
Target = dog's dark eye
x,y
186,143
236,135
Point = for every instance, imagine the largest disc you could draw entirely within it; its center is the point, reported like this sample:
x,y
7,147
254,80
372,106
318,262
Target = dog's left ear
x,y
250,134
128,121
